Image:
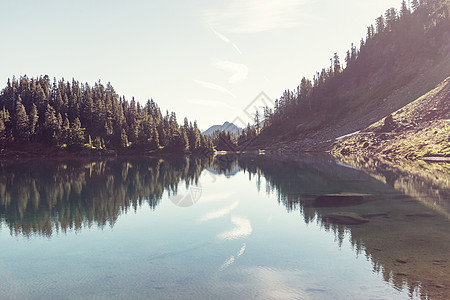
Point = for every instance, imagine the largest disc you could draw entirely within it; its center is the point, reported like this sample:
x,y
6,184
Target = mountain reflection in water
x,y
406,237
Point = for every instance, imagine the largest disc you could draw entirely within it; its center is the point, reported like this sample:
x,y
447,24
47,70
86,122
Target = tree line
x,y
72,114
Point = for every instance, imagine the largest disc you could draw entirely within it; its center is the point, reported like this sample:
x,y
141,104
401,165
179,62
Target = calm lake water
x,y
223,228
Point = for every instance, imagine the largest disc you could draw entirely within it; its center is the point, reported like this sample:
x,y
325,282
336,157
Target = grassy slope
x,y
421,128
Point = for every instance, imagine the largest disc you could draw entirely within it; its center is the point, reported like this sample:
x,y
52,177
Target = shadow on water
x,y
396,214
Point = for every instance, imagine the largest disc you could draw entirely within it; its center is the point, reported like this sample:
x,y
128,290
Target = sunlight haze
x,y
206,60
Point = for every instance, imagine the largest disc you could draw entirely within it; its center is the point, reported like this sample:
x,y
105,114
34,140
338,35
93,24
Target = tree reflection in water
x,y
41,197
406,237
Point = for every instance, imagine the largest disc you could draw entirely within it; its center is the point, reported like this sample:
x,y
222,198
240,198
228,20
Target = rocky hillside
x,y
420,129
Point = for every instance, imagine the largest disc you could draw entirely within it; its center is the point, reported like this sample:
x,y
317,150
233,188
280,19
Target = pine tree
x,y
5,120
59,103
336,64
184,146
404,11
2,130
257,122
65,134
196,142
380,24
50,124
33,119
59,131
391,17
415,4
347,58
154,144
40,100
123,139
88,109
21,126
76,133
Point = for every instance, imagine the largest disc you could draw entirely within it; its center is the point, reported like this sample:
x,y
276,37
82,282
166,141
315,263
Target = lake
x,y
228,227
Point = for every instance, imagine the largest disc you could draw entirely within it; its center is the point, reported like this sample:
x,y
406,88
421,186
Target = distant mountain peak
x,y
226,126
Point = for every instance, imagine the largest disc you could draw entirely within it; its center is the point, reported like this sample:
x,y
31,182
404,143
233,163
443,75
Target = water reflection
x,y
38,197
428,182
406,236
243,228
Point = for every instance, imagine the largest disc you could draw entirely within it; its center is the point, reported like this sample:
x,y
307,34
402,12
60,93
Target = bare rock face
x,y
341,199
344,218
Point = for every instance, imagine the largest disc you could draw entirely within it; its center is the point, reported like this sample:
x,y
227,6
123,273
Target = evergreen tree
x,y
336,64
195,143
65,134
257,122
123,139
59,131
380,24
33,119
404,11
2,130
184,140
4,119
50,124
154,142
76,133
21,126
391,17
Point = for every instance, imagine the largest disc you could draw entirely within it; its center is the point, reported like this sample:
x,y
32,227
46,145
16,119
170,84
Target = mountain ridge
x,y
226,126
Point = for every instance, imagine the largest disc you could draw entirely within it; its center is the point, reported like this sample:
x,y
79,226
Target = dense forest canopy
x,y
72,114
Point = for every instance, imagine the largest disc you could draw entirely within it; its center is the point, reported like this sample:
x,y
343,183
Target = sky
x,y
211,61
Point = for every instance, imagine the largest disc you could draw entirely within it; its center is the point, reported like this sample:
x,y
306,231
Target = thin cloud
x,y
239,71
213,86
237,48
249,16
243,228
226,40
241,251
220,36
218,213
227,263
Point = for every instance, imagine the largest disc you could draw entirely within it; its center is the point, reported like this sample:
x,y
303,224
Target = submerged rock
x,y
344,218
341,199
401,260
